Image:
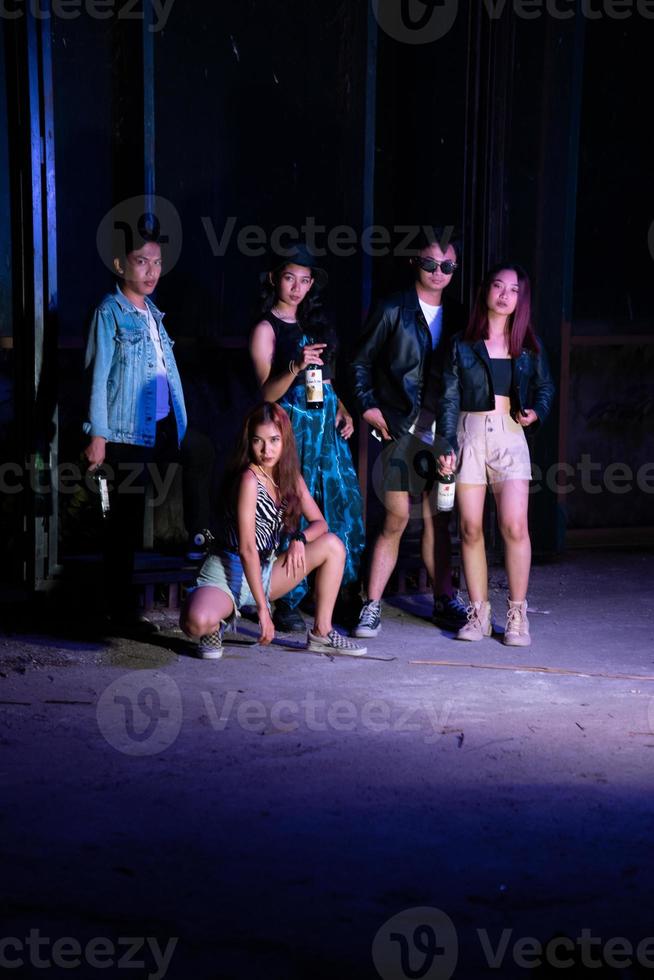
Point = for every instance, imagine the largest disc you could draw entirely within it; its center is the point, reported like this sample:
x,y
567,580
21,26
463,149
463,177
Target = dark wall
x,y
82,59
258,119
610,437
540,213
6,328
82,64
614,270
258,122
610,421
421,119
5,226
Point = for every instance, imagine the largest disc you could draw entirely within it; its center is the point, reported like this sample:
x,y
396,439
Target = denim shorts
x,y
492,448
224,571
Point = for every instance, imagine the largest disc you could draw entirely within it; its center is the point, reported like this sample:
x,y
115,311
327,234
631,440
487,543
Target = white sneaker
x,y
335,643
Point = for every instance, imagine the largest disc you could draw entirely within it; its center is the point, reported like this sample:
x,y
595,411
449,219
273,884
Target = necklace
x,y
267,476
282,316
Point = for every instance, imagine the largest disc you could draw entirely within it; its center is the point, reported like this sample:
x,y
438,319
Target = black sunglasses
x,y
447,267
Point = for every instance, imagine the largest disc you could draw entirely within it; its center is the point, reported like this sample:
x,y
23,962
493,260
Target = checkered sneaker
x,y
334,643
210,646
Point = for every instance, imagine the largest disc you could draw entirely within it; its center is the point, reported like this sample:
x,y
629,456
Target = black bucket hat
x,y
299,254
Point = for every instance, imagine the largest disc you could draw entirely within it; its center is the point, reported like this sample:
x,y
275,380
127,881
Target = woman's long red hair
x,y
287,471
521,331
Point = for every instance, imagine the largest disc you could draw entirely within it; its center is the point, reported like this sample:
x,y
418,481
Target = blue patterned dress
x,y
325,458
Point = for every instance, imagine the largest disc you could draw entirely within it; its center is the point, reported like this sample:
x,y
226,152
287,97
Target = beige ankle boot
x,y
516,633
479,622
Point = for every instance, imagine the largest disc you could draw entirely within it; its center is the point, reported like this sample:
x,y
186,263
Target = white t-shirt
x,y
424,426
163,393
434,318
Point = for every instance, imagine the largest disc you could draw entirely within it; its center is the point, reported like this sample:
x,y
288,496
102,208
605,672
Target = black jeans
x,y
130,470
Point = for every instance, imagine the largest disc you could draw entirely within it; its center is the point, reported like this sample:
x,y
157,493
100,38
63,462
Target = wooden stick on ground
x,y
536,670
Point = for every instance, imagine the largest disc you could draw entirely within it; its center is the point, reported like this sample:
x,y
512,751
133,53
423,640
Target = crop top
x,y
501,375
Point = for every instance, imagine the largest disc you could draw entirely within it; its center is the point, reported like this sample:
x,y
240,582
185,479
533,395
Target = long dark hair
x,y
521,331
287,471
310,315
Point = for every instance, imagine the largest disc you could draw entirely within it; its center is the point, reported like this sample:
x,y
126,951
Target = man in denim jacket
x,y
137,416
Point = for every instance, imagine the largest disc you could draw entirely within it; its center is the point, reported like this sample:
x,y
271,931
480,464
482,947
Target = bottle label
x,y
103,489
446,493
314,386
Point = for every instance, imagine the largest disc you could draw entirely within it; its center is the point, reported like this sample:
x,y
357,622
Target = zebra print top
x,y
268,523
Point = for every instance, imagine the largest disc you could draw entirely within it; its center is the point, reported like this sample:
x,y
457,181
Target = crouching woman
x,y
265,494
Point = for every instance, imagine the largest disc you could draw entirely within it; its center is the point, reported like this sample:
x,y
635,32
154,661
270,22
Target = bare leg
x,y
387,545
327,555
436,546
471,499
512,499
204,610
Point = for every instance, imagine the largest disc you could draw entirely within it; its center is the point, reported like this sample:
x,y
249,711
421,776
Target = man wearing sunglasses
x,y
395,372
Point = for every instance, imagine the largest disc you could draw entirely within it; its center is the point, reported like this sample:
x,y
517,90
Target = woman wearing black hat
x,y
291,334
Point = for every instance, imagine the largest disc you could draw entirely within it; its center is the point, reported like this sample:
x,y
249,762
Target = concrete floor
x,y
284,815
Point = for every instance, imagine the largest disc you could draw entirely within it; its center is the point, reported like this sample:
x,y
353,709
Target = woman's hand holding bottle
x,y
309,354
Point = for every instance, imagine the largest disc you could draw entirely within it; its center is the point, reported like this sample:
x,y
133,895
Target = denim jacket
x,y
122,359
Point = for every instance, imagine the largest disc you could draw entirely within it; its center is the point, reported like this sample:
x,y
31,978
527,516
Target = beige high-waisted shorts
x,y
492,448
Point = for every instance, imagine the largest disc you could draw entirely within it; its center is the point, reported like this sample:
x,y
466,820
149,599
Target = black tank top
x,y
288,342
501,375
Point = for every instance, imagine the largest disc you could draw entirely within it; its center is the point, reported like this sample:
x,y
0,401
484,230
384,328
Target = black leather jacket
x,y
467,385
392,359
